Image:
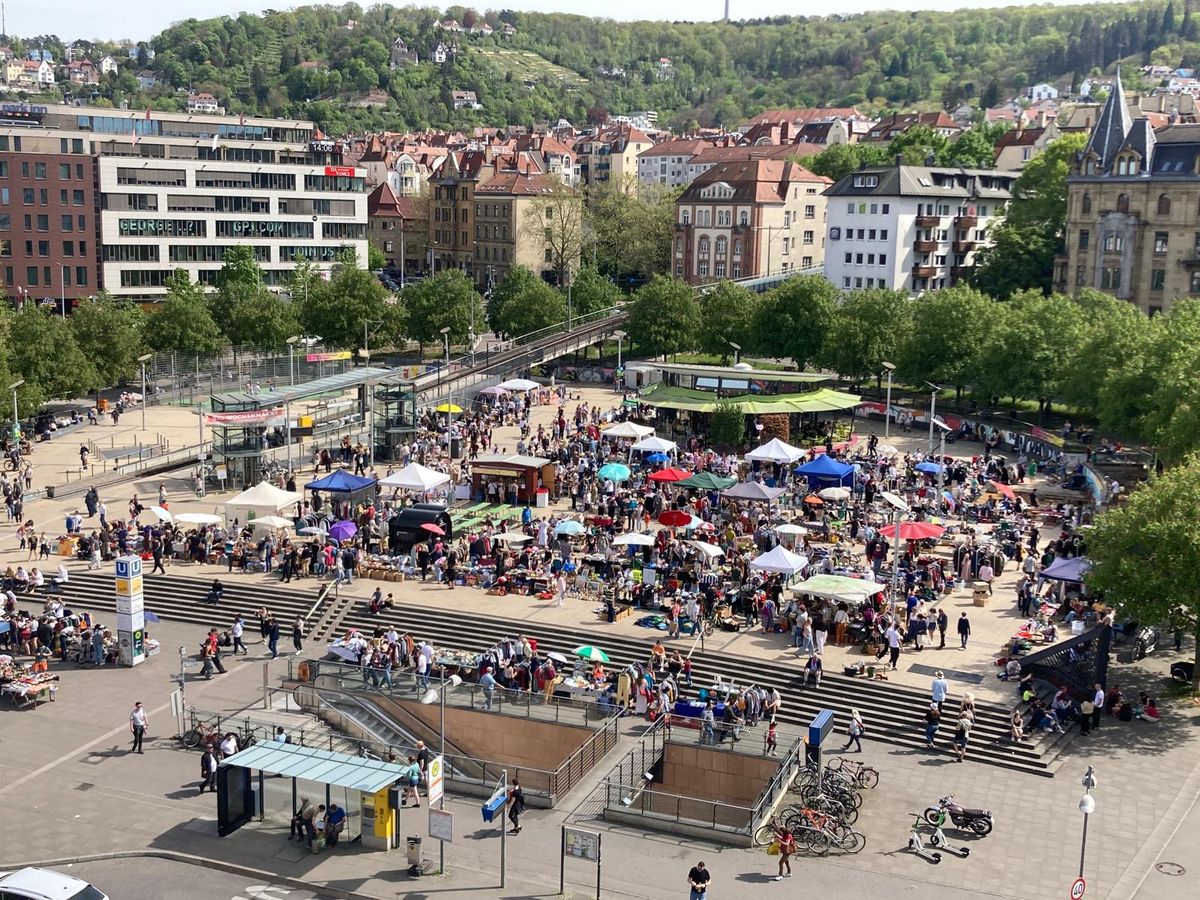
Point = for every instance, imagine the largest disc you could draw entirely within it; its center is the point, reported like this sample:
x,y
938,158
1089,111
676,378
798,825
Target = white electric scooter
x,y
938,839
917,846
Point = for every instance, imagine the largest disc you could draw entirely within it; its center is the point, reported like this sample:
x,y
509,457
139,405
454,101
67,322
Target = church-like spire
x,y
1112,127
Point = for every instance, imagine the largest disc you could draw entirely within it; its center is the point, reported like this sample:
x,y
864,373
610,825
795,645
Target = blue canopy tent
x,y
1066,569
824,471
355,488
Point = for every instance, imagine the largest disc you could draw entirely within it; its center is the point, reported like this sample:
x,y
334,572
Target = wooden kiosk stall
x,y
516,478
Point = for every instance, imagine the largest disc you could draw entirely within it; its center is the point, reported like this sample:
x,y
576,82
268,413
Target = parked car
x,y
32,883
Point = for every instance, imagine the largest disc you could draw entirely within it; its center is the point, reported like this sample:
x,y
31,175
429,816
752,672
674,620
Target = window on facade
x,y
1158,279
1194,287
883,259
702,270
39,170
1113,243
737,246
1080,276
787,218
884,208
737,270
849,258
685,217
1123,203
43,222
64,171
808,237
719,269
1084,237
704,246
743,218
1161,239
1110,278
1164,205
810,212
722,247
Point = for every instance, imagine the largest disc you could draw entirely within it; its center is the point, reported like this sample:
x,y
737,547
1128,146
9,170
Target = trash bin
x,y
49,492
455,448
541,499
414,849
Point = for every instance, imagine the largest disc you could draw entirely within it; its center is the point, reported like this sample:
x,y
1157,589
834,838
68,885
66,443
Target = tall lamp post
x,y
941,498
899,508
1087,806
143,359
429,697
933,392
16,417
445,333
62,287
291,344
617,386
887,411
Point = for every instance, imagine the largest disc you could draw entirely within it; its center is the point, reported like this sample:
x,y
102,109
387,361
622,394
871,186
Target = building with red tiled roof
x,y
895,125
1018,146
610,155
749,217
667,161
399,227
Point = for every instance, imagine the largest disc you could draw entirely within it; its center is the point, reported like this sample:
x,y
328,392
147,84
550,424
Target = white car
x,y
43,884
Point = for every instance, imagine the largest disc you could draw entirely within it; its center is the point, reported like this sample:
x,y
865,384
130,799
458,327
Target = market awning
x,y
321,766
1066,569
839,587
822,400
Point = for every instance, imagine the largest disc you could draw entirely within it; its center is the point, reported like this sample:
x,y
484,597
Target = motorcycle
x,y
978,820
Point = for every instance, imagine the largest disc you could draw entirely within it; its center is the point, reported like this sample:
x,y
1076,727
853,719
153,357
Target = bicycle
x,y
201,733
863,775
840,834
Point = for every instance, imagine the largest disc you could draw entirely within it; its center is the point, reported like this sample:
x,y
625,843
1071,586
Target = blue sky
x,y
140,19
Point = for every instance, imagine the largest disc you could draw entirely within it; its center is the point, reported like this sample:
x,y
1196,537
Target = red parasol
x,y
670,475
1004,489
914,531
674,518
433,529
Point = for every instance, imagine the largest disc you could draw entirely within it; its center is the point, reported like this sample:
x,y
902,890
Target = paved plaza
x,y
65,769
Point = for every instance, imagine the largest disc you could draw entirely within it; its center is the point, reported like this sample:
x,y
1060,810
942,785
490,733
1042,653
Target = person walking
x,y
892,636
235,633
932,718
208,770
273,637
962,733
943,622
787,846
516,806
698,879
298,634
138,723
964,631
1097,705
855,731
939,689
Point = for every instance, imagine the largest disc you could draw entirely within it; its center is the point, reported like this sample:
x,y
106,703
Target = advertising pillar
x,y
131,616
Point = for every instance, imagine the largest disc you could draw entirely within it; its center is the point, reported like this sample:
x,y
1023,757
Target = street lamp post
x,y
933,392
291,345
620,336
62,287
143,359
452,682
737,352
899,507
445,333
1087,806
941,498
570,307
887,412
16,417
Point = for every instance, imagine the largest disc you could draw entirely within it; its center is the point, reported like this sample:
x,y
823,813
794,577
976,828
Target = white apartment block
x,y
911,228
667,163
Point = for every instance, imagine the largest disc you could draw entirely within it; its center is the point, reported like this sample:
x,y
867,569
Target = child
x,y
687,671
772,739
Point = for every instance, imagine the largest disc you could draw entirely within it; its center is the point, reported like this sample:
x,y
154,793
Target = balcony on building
x,y
924,271
964,246
968,221
925,246
929,221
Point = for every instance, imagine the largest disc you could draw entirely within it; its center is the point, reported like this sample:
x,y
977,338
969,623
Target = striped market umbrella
x,y
587,651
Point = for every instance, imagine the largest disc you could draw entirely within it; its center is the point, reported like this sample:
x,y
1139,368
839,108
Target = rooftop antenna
x,y
726,10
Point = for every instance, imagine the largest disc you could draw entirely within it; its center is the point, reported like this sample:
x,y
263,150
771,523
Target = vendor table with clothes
x,y
26,691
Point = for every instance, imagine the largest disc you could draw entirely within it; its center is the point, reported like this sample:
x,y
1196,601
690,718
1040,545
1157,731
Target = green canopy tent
x,y
707,481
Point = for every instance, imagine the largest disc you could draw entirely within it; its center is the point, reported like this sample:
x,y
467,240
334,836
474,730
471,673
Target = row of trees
x,y
1092,352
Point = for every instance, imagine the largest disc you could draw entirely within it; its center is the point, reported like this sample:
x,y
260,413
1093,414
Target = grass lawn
x,y
525,64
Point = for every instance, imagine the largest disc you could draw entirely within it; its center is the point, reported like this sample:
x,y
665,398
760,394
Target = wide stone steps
x,y
893,712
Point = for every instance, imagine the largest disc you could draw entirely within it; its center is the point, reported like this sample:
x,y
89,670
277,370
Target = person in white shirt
x,y
235,632
229,745
138,723
62,576
422,671
986,575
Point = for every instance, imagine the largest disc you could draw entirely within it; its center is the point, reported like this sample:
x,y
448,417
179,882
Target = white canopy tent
x,y
780,560
654,444
839,587
272,522
519,384
777,451
416,477
711,551
263,499
752,490
627,431
634,539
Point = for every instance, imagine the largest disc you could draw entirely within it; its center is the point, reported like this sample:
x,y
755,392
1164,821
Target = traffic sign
x,y
437,785
441,825
1077,888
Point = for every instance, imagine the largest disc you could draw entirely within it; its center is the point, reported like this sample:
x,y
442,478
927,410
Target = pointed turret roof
x,y
1113,126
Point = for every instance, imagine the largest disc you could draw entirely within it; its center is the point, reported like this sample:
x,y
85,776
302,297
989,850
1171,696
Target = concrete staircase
x,y
893,712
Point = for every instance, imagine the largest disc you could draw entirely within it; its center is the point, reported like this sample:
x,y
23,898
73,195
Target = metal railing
x,y
791,763
712,814
525,704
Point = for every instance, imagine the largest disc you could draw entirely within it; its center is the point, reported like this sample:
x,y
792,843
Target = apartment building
x,y
667,162
173,190
911,228
748,218
507,226
611,155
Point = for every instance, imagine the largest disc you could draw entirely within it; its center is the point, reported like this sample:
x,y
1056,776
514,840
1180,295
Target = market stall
x,y
25,687
516,478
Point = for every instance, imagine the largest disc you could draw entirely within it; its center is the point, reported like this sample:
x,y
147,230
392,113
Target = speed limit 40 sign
x,y
1078,887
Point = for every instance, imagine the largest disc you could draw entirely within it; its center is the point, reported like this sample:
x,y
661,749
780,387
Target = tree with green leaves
x,y
792,320
592,292
111,333
949,330
1156,393
43,351
263,320
1112,336
631,227
183,322
522,302
445,300
868,328
1141,551
726,315
553,221
727,425
663,317
839,160
344,310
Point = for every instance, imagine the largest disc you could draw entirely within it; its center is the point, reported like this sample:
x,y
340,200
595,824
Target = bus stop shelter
x,y
364,785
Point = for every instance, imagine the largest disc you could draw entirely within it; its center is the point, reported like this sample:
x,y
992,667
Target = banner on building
x,y
261,418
